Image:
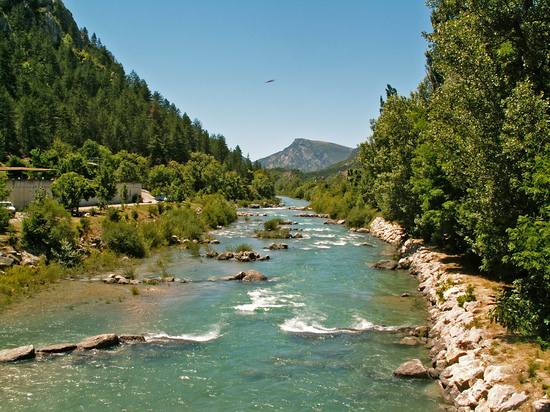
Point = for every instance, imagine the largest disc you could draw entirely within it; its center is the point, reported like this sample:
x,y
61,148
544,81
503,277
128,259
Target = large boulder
x,y
29,260
21,353
503,398
386,264
253,276
412,369
99,342
250,276
6,262
212,254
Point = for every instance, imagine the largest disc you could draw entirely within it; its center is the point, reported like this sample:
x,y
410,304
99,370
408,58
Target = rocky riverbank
x,y
472,373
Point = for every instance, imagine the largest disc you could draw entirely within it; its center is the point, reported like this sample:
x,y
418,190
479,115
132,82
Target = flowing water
x,y
322,334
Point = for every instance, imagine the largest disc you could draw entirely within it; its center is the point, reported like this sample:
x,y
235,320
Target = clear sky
x,y
330,59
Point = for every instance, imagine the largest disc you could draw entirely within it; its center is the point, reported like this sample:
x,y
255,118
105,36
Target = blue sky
x,y
331,61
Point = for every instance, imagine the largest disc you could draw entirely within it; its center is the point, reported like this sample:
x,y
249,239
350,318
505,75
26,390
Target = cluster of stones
x,y
250,276
248,214
10,257
274,246
121,280
305,214
388,232
263,205
175,240
95,342
470,378
245,256
335,222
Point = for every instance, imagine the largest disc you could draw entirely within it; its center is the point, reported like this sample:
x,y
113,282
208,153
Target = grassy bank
x,y
111,240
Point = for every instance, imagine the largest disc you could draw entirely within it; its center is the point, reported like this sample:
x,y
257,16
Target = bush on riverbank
x,y
123,238
217,211
48,229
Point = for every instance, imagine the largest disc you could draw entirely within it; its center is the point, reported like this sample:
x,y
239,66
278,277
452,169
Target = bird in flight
x,y
269,81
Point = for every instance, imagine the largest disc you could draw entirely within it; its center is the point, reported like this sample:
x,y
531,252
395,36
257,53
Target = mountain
x,y
307,155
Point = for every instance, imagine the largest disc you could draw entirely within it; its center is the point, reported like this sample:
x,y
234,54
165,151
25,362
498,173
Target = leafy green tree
x,y
387,157
105,186
71,188
124,194
4,191
263,184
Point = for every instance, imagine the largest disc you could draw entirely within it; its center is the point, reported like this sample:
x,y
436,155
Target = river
x,y
319,335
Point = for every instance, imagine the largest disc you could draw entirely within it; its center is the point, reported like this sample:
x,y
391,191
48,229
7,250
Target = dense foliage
x,y
463,161
67,104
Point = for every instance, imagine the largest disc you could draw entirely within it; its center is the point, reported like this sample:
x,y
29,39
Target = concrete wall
x,y
23,191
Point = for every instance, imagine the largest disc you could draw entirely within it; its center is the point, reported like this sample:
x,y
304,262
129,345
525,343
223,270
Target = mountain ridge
x,y
307,155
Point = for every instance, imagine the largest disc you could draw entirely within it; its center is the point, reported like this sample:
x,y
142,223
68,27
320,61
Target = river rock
x,y
6,262
275,246
225,256
29,260
542,405
386,264
253,276
99,342
60,348
21,353
496,373
132,338
503,398
412,369
212,254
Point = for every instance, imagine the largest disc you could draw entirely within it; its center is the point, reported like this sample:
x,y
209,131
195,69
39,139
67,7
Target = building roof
x,y
24,169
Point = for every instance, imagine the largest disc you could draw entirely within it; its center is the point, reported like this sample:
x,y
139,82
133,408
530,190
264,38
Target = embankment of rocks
x,y
471,379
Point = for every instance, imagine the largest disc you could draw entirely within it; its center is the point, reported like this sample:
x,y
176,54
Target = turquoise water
x,y
319,335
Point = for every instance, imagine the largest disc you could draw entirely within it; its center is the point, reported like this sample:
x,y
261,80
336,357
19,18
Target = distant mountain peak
x,y
307,155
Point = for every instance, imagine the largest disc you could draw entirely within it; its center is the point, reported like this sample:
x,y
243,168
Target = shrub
x,y
123,238
5,217
129,272
243,247
46,225
217,211
273,224
68,254
360,216
467,297
113,214
135,291
183,223
152,234
83,226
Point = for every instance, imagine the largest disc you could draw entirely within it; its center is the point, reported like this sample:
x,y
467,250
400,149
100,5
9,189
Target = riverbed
x,y
322,334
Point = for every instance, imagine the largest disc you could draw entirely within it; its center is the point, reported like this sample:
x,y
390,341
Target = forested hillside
x,y
64,99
